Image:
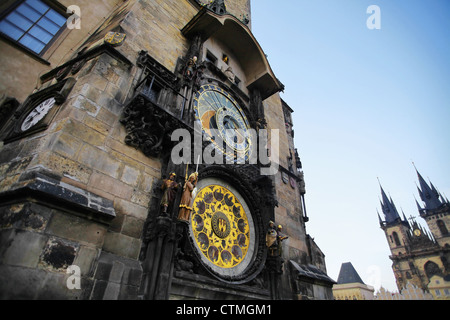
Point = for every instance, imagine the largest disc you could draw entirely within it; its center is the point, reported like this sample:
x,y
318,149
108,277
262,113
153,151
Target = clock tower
x,y
154,161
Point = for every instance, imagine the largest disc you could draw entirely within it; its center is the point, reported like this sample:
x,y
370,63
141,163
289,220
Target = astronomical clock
x,y
223,121
223,230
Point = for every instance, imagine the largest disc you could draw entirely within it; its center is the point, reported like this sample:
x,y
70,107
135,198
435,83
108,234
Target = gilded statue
x,y
187,197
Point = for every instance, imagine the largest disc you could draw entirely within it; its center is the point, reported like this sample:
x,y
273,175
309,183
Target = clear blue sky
x,y
367,103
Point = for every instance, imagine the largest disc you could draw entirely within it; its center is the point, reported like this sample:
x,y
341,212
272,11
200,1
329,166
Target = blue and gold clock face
x,y
222,117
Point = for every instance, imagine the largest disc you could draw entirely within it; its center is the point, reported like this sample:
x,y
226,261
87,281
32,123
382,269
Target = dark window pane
x,y
29,12
56,18
32,44
38,5
48,25
10,30
33,24
41,34
19,21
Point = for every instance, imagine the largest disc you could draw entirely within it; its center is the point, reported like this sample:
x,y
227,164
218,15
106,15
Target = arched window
x,y
442,227
396,239
431,269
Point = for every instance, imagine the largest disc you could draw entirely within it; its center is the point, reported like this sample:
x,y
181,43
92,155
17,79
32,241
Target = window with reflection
x,y
32,24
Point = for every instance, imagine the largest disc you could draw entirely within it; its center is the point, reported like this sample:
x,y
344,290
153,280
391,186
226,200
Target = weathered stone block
x,y
84,104
141,198
86,260
129,208
84,133
98,290
116,278
146,184
6,182
21,248
20,283
76,228
19,165
97,125
107,117
95,80
58,254
65,144
130,175
55,288
117,222
28,216
122,245
110,185
93,94
132,227
120,150
68,168
98,159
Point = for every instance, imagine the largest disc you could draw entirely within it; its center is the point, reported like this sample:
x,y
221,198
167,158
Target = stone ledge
x,y
193,286
53,191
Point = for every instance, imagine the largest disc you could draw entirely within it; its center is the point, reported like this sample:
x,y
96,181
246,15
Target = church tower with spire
x,y
435,211
419,256
395,228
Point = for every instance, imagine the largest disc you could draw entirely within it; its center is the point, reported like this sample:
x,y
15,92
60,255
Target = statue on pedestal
x,y
187,197
169,188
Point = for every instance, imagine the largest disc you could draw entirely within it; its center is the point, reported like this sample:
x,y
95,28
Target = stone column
x,y
158,265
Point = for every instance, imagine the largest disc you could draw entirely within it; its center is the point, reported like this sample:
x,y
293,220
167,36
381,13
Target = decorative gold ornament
x,y
220,226
115,38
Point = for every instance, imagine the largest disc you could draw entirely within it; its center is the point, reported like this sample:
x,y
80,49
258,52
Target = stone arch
x,y
431,269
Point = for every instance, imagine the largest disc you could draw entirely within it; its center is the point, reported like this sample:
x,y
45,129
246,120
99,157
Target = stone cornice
x,y
50,190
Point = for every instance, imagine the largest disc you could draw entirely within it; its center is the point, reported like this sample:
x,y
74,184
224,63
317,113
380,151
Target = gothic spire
x,y
218,6
379,219
404,219
418,206
388,207
428,194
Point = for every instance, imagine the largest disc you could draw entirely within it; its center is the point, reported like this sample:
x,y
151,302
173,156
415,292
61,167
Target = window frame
x,y
396,239
442,227
54,5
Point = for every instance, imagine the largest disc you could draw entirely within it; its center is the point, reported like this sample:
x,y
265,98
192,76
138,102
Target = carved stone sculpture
x,y
148,127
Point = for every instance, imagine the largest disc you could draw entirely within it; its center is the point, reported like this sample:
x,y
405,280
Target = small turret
x,y
388,207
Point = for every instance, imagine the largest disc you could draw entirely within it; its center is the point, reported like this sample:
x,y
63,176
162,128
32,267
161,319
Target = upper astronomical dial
x,y
221,117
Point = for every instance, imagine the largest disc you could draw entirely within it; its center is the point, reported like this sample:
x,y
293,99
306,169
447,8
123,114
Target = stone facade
x,y
83,187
